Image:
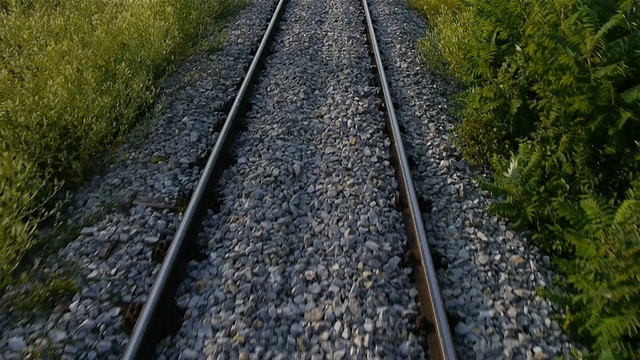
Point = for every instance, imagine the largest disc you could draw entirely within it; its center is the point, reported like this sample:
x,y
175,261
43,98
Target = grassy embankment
x,y
74,76
552,104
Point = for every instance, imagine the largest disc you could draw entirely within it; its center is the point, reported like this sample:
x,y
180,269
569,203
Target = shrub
x,y
553,104
603,283
585,95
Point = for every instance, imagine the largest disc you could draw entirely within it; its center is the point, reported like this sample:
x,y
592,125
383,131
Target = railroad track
x,y
432,322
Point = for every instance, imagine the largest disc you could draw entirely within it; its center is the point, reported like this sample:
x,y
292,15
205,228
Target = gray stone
x,y
392,264
295,330
371,245
70,349
103,347
58,336
462,329
88,231
16,344
188,354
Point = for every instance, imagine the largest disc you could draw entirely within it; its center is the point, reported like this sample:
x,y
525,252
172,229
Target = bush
x,y
552,104
603,283
585,96
74,74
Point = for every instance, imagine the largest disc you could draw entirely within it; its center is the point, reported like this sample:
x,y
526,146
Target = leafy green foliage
x,y
587,115
74,75
553,105
604,277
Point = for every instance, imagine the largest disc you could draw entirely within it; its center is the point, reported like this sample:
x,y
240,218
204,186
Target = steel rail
x,y
145,334
439,340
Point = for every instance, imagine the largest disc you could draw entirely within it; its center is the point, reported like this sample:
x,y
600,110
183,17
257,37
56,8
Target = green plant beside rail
x,y
74,76
552,103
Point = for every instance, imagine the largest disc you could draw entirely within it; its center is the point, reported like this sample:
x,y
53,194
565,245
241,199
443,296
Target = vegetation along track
x,y
303,238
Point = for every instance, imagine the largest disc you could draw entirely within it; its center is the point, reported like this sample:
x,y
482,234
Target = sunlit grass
x,y
74,75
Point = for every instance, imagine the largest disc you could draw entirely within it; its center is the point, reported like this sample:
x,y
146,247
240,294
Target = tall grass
x,y
74,74
451,30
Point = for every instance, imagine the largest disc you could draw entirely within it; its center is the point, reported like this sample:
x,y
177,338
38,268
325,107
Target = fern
x,y
604,277
553,106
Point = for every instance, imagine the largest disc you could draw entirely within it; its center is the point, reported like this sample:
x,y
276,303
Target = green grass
x,y
74,77
451,29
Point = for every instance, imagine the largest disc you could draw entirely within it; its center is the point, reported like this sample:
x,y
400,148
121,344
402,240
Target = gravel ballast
x,y
129,210
490,274
303,257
